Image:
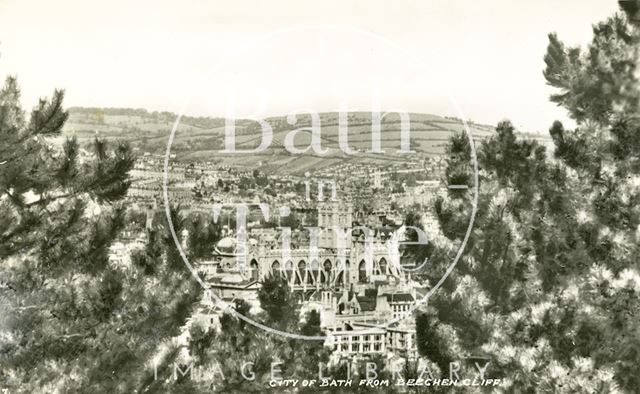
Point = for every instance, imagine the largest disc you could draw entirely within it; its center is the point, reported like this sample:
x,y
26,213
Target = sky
x,y
477,59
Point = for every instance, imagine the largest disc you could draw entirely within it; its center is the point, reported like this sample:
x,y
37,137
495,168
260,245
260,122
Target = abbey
x,y
323,263
354,287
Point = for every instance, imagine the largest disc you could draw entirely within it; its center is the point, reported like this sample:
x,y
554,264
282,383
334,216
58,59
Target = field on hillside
x,y
200,139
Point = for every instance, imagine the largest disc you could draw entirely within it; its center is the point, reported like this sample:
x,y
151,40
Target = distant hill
x,y
200,138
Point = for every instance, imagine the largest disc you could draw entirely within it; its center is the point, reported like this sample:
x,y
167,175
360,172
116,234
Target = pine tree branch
x,y
15,199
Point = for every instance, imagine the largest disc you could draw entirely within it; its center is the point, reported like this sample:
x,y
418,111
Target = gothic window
x,y
383,266
362,272
253,265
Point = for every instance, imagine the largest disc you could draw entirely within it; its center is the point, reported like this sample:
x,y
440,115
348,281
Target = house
x,y
400,304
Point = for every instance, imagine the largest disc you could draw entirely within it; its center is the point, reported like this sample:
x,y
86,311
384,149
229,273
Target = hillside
x,y
200,138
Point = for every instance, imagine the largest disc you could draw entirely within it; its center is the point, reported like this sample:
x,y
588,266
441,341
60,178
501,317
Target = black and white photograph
x,y
332,196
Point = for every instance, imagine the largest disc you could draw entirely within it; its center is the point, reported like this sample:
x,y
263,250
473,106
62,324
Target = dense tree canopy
x,y
72,320
549,288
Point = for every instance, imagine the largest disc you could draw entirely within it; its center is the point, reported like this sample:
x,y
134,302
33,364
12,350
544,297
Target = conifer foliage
x,y
549,290
72,321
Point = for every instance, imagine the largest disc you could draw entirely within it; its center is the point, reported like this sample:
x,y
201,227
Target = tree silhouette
x,y
72,320
549,287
